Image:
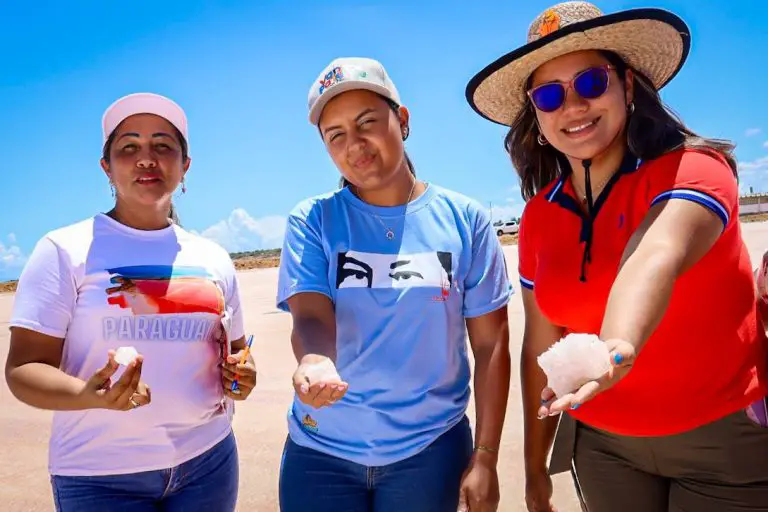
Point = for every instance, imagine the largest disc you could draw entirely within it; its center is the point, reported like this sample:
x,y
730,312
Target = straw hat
x,y
653,41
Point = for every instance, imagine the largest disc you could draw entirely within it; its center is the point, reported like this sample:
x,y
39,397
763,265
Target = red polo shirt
x,y
707,357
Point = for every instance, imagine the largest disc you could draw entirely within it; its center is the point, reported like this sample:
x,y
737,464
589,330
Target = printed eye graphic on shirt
x,y
373,270
403,274
350,267
165,303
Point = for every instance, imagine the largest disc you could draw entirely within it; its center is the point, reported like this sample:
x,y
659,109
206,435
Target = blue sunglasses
x,y
589,84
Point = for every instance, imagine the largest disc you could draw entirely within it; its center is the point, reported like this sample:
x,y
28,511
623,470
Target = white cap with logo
x,y
347,74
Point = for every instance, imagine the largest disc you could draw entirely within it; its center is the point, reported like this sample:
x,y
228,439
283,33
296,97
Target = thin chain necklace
x,y
390,234
597,188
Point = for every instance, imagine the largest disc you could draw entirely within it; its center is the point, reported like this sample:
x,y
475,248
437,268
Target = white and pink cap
x,y
143,103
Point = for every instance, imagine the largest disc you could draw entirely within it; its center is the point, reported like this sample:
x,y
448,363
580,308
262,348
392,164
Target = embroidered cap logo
x,y
334,76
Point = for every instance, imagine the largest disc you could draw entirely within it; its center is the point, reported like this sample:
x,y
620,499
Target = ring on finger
x,y
134,403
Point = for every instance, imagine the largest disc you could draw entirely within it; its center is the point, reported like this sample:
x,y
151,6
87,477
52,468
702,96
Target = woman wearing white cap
x,y
122,302
383,279
631,233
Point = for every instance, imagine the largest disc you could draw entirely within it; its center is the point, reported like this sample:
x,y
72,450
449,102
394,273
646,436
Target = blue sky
x,y
242,70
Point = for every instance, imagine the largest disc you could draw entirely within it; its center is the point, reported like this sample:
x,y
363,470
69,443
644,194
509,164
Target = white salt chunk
x,y
573,361
125,355
324,371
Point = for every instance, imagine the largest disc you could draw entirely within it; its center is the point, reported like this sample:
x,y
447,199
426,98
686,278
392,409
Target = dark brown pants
x,y
720,467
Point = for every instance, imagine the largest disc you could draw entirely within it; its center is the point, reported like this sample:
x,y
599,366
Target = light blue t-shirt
x,y
400,309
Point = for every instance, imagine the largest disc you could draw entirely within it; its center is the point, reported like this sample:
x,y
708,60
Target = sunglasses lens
x,y
548,97
592,83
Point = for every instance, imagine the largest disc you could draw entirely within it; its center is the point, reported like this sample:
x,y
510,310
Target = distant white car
x,y
507,228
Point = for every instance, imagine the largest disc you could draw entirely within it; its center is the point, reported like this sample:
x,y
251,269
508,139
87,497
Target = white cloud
x,y
761,164
751,132
241,232
765,144
505,211
12,258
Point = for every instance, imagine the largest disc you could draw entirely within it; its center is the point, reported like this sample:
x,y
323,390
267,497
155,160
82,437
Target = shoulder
x,y
71,242
688,160
308,207
457,201
536,205
205,247
72,235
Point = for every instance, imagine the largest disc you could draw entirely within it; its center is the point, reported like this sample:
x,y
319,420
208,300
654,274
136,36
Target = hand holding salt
x,y
323,371
317,381
125,355
573,361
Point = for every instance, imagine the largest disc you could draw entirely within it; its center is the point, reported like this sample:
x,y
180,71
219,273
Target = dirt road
x,y
260,422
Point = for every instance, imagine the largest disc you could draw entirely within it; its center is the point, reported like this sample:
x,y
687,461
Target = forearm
x,y
313,336
492,374
238,344
45,387
640,296
539,433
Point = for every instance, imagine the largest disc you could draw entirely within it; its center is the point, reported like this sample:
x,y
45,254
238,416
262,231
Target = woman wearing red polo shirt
x,y
630,232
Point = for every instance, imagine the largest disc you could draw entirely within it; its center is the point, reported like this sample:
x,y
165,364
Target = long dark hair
x,y
653,129
172,213
396,109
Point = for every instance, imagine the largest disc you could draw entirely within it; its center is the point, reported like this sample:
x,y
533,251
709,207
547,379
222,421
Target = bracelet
x,y
486,449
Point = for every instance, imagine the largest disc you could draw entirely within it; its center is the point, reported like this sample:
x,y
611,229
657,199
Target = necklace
x,y
597,188
390,234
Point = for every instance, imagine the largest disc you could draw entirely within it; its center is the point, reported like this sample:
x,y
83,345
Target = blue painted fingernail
x,y
575,406
618,358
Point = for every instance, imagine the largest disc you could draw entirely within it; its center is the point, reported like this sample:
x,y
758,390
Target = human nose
x,y
146,160
573,100
355,143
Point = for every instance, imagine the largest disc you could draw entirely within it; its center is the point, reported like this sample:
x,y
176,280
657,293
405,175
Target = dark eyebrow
x,y
158,134
361,114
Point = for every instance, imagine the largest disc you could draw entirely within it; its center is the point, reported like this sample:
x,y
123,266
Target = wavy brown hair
x,y
652,130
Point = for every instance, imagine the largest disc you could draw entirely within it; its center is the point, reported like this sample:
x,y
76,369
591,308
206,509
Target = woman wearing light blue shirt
x,y
384,279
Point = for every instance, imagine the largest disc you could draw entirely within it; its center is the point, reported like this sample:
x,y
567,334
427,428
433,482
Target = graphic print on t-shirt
x,y
373,270
166,303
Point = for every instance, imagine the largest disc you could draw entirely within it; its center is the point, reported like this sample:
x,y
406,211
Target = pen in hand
x,y
243,358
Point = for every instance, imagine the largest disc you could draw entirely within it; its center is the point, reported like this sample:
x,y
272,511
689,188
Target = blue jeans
x,y
206,482
426,482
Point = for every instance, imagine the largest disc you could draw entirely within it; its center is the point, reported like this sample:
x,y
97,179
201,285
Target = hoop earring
x,y
406,133
631,108
541,140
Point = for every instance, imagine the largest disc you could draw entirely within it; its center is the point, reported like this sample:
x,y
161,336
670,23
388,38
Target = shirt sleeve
x,y
698,177
526,251
303,262
486,286
46,293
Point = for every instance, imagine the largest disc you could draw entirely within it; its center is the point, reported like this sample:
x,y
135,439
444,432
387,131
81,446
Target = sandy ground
x,y
260,422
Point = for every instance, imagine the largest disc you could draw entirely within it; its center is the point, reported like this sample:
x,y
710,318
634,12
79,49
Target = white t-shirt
x,y
99,285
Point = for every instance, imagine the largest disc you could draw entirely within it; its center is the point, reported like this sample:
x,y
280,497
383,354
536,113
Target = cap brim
x,y
653,41
144,103
335,90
